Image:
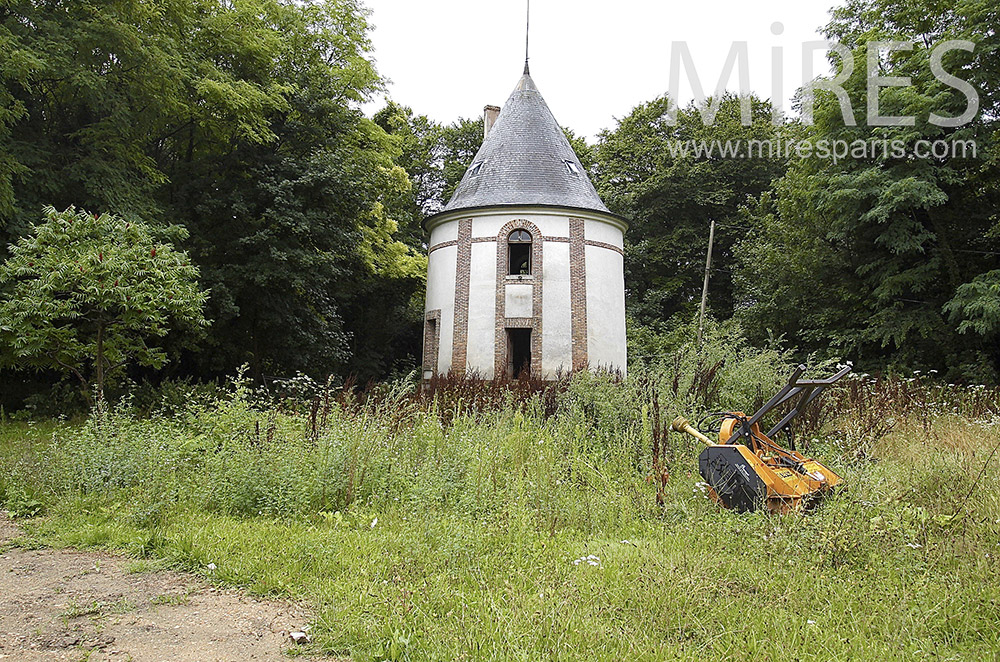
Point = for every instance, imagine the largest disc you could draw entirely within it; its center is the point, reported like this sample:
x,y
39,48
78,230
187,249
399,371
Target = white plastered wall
x,y
604,283
557,341
550,225
482,309
603,232
606,341
444,232
441,295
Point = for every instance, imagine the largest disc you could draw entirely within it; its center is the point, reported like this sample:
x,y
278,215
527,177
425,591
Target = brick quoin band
x,y
502,323
463,273
578,292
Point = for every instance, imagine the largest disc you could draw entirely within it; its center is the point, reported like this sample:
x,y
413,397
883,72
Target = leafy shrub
x,y
21,505
171,397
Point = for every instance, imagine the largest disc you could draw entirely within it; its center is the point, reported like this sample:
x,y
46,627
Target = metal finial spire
x,y
527,27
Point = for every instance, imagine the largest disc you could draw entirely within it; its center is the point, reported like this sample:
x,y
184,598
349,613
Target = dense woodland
x,y
234,127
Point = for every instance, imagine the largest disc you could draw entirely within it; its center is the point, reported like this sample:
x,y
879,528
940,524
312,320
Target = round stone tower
x,y
524,272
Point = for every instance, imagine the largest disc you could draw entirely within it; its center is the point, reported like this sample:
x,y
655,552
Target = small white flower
x,y
374,522
211,566
590,559
914,545
811,622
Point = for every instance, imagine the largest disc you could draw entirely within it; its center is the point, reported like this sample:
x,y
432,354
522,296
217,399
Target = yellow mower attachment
x,y
747,470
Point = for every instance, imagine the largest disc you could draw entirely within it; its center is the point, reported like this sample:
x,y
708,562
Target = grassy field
x,y
491,522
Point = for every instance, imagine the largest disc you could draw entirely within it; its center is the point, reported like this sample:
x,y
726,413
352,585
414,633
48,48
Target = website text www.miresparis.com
x,y
832,149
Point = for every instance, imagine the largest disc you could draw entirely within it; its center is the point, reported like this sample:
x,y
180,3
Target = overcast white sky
x,y
593,61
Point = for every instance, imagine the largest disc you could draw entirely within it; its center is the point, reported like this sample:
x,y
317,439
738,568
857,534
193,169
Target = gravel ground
x,y
68,605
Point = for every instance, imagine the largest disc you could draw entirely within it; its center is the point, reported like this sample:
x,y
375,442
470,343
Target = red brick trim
x,y
601,244
480,240
463,274
500,340
578,292
562,240
432,340
443,244
518,322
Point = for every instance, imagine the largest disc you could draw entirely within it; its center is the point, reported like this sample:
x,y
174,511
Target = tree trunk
x,y
99,367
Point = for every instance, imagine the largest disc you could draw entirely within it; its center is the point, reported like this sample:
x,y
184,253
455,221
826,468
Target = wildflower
x,y
590,559
914,545
811,622
211,566
374,522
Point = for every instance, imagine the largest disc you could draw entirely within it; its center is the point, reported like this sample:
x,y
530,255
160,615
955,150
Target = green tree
x,y
239,119
669,195
864,256
87,294
460,141
421,155
584,150
96,96
296,236
436,156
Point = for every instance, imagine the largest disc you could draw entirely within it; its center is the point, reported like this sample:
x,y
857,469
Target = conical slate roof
x,y
526,160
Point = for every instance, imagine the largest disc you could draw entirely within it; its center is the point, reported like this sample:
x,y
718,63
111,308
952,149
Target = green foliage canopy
x,y
94,290
670,196
239,120
883,256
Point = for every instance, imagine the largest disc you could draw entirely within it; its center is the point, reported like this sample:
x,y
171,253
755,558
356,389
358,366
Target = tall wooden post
x,y
704,288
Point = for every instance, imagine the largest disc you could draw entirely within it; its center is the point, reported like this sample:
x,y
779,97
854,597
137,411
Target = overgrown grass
x,y
480,521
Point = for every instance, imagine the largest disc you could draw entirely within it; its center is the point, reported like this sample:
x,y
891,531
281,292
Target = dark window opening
x,y
476,167
571,167
519,249
519,353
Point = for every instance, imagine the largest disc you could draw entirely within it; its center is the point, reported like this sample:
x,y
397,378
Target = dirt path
x,y
66,605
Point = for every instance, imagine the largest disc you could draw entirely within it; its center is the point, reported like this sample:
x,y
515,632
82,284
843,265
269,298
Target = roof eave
x,y
433,219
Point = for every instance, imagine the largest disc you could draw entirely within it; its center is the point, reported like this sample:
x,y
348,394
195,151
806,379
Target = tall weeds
x,y
578,451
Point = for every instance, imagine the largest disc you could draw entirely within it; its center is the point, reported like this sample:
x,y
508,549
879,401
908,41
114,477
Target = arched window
x,y
519,252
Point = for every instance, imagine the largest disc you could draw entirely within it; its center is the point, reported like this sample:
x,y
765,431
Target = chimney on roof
x,y
490,114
